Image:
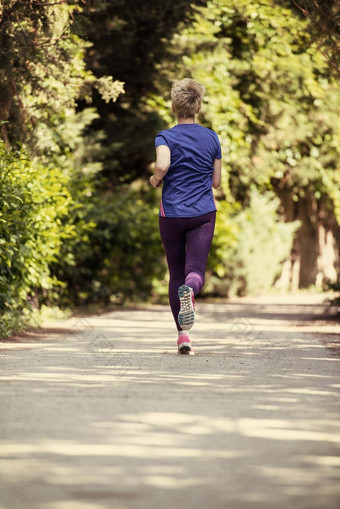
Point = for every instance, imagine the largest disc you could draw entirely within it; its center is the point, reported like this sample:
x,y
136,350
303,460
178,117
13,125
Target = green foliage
x,y
77,224
108,88
268,96
336,301
248,252
264,242
272,102
120,258
43,73
33,202
323,24
69,250
42,77
129,40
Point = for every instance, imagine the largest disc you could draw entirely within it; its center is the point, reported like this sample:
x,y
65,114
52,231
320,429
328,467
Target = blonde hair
x,y
186,97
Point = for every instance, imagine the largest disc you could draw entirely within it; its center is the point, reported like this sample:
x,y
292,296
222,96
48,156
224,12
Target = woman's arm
x,y
217,173
162,165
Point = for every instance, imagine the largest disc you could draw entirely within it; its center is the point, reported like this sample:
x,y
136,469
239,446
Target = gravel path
x,y
101,413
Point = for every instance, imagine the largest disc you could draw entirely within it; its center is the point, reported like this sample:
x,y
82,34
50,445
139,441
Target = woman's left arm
x,y
163,158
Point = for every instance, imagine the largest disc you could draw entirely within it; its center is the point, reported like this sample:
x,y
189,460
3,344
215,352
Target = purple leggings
x,y
186,242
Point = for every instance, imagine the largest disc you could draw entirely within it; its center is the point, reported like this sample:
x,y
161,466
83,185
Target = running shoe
x,y
186,315
184,345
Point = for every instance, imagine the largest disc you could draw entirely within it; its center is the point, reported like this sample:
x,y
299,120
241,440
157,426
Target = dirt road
x,y
101,412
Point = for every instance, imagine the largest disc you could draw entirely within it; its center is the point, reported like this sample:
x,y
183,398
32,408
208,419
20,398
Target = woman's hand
x,y
155,182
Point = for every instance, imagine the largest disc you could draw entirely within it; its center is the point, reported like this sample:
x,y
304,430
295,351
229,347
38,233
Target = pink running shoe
x,y
184,345
186,315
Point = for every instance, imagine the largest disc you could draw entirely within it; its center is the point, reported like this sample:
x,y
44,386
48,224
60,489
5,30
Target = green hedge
x,y
249,247
120,258
61,246
33,201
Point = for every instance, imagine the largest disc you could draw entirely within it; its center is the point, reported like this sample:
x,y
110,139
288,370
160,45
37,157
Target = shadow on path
x,y
111,417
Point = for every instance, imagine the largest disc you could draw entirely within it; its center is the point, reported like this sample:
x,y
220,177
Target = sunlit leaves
x,y
274,106
34,200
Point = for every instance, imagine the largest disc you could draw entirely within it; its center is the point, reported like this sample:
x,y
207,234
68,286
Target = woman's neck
x,y
189,120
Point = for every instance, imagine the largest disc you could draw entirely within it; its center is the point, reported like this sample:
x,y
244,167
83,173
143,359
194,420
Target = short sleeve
x,y
218,154
161,140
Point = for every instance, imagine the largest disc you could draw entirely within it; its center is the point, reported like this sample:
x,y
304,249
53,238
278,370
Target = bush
x,y
33,201
249,248
120,258
64,250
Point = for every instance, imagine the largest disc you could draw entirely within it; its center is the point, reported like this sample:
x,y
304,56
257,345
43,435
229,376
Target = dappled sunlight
x,y
97,409
112,416
302,477
286,430
72,504
327,461
150,450
141,451
327,359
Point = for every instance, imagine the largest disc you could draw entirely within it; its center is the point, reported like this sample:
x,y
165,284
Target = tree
x,y
271,99
47,160
43,73
129,41
324,26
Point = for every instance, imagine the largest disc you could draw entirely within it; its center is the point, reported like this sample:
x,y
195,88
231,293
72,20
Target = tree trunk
x,y
307,241
315,255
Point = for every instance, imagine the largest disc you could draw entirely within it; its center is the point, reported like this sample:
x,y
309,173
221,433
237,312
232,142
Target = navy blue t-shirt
x,y
187,189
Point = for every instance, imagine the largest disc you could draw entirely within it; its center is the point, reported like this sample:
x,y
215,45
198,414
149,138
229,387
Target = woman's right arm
x,y
217,173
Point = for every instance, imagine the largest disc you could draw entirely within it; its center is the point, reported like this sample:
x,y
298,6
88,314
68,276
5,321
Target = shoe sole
x,y
186,315
184,349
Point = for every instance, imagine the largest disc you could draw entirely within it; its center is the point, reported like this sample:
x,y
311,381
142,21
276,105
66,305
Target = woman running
x,y
188,162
